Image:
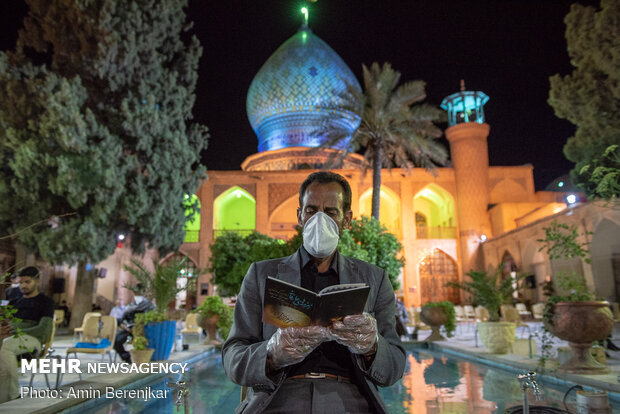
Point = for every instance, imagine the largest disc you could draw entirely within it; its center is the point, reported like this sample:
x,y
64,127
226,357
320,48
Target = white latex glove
x,y
291,345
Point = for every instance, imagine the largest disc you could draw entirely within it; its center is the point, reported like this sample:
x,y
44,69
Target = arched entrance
x,y
389,212
192,227
185,299
435,271
283,220
234,210
509,265
434,213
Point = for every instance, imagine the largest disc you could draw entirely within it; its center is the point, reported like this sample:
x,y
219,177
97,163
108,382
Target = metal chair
x,y
107,330
469,313
537,311
47,352
522,309
191,326
87,315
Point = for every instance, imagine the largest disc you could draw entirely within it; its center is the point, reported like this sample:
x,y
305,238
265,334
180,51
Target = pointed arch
x,y
437,205
185,298
435,270
508,264
192,226
389,213
283,219
234,209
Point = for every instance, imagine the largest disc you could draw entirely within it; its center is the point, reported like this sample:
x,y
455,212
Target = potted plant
x,y
214,315
491,292
161,286
141,353
435,314
574,315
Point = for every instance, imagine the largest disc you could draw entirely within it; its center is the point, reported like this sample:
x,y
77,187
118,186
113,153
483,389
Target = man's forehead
x,y
324,193
25,278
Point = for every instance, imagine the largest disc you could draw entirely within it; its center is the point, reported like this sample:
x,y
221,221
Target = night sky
x,y
505,48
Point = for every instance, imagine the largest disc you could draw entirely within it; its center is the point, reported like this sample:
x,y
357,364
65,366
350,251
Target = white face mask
x,y
320,235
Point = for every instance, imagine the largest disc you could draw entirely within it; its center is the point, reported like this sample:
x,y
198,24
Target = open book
x,y
289,305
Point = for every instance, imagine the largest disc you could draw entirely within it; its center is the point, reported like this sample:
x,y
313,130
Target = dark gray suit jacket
x,y
245,351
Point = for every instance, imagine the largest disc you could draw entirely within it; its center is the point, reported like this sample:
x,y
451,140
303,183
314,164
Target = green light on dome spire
x,y
304,10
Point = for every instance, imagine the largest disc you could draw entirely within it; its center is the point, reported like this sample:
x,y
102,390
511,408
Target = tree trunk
x,y
376,181
82,296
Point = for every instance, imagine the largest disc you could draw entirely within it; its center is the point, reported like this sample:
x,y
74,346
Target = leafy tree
x,y
396,129
96,137
366,239
589,97
232,255
601,178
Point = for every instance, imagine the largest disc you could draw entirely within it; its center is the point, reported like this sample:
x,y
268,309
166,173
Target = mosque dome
x,y
299,89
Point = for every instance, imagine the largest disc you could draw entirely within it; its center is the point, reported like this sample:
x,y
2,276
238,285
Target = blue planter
x,y
161,337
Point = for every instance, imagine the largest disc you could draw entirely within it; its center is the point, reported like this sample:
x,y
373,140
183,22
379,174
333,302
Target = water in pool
x,y
433,383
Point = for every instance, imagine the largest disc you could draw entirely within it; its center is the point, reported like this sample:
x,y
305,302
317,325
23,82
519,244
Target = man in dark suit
x,y
316,369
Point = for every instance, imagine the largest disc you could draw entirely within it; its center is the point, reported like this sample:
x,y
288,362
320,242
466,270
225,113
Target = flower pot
x,y
209,324
161,337
434,317
141,356
582,323
497,337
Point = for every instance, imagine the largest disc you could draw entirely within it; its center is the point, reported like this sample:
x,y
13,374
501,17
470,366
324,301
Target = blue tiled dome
x,y
296,90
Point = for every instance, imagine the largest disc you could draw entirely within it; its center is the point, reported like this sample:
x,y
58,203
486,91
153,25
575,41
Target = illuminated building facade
x,y
470,215
442,221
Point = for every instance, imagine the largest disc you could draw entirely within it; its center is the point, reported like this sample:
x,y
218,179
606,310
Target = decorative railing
x,y
435,232
192,236
241,232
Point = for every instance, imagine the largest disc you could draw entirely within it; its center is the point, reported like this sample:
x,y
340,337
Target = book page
x,y
345,286
287,305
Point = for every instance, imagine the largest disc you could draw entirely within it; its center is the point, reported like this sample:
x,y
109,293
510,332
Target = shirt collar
x,y
305,258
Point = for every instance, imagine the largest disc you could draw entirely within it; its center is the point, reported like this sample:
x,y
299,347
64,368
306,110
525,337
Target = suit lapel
x,y
289,269
347,271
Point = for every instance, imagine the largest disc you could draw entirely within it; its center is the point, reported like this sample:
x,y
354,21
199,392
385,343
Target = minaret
x,y
467,134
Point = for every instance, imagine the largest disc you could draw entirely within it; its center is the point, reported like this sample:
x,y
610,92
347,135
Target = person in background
x,y
36,312
402,318
118,310
13,292
139,305
63,306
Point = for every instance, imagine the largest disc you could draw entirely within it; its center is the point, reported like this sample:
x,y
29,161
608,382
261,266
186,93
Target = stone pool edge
x,y
519,363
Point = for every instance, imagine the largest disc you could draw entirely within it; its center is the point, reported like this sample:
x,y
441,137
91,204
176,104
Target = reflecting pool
x,y
433,383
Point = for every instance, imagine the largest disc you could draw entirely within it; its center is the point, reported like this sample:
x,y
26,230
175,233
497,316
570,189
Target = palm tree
x,y
396,130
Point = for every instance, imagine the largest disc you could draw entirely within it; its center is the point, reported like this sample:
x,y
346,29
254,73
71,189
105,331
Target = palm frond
x,y
409,93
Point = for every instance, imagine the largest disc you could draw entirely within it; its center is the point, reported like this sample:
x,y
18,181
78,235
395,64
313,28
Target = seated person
x,y
13,292
36,312
63,306
139,305
118,310
8,368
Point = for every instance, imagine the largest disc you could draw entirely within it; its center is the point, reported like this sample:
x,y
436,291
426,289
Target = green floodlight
x,y
304,10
